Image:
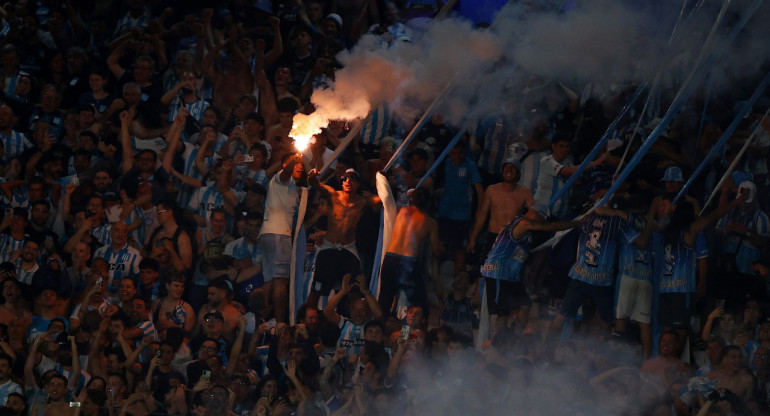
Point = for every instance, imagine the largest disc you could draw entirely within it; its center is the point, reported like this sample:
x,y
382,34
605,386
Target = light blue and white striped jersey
x,y
221,140
240,249
15,144
188,155
675,265
530,164
102,234
138,234
507,256
113,214
633,261
148,330
243,172
126,23
6,389
600,240
9,87
746,253
376,126
122,263
206,199
83,377
351,336
25,276
8,246
196,108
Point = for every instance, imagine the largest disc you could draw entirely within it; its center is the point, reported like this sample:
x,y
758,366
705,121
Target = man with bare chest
x,y
732,374
400,267
338,254
502,202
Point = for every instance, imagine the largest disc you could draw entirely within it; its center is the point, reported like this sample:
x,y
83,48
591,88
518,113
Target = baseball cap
x,y
673,174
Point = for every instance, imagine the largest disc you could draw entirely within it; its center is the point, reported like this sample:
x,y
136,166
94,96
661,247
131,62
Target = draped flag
x,y
387,219
298,260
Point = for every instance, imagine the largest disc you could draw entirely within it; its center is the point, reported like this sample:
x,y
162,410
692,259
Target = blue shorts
x,y
578,292
276,255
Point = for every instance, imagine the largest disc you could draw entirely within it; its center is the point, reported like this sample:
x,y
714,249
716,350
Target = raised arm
x,y
527,225
112,60
703,222
330,310
374,306
72,384
312,178
85,227
207,65
173,138
287,171
126,117
235,352
29,364
267,102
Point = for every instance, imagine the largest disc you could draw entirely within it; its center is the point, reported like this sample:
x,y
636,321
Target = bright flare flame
x,y
304,128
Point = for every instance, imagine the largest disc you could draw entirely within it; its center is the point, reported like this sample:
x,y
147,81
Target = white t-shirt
x,y
280,205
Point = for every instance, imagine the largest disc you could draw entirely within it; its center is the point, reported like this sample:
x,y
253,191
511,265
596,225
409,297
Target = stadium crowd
x,y
150,194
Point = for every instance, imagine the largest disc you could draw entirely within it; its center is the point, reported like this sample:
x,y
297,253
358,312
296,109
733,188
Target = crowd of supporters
x,y
151,261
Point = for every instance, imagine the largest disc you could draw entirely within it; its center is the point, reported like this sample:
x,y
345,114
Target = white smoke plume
x,y
607,44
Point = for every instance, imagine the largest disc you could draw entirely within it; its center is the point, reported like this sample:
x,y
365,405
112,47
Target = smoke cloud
x,y
608,45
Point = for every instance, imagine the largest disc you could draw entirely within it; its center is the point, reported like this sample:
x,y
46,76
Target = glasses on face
x,y
763,356
162,211
212,319
348,179
210,349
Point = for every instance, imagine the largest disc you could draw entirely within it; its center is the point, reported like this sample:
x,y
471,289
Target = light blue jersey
x,y
243,172
15,144
599,243
8,246
745,252
507,256
122,263
376,126
206,199
241,249
675,265
636,262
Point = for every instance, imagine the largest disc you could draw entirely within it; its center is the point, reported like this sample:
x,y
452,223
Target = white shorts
x,y
634,300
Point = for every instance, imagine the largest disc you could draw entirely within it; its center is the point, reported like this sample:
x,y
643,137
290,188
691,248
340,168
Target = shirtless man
x,y
732,375
338,254
666,363
236,77
412,227
502,202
